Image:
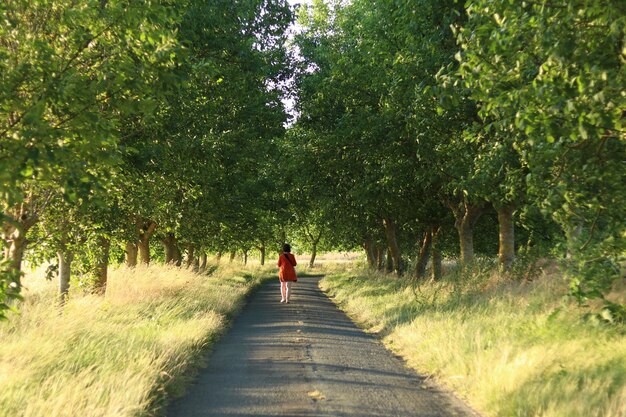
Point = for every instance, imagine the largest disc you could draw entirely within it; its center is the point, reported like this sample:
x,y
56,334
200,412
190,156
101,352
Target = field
x,y
117,355
511,348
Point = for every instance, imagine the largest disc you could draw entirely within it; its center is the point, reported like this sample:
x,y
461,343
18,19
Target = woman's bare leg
x,y
283,290
287,290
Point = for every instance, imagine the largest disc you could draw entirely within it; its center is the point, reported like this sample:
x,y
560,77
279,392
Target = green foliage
x,y
363,68
164,120
553,75
67,72
410,109
9,287
115,116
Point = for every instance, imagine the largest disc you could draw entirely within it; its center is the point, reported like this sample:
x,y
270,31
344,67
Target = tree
x,y
67,74
554,74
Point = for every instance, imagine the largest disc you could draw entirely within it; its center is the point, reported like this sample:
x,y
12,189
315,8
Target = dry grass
x,y
510,348
325,259
115,355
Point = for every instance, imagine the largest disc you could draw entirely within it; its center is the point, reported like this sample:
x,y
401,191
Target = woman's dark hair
x,y
286,248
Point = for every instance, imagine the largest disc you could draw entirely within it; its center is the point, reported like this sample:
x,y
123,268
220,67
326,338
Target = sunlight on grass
x,y
115,355
510,348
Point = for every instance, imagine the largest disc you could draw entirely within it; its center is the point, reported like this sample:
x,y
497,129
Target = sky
x,y
289,102
292,2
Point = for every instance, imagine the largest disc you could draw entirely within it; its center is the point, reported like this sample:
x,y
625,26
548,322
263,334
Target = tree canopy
x,y
421,129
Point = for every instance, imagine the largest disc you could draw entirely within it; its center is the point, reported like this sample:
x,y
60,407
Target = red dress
x,y
287,272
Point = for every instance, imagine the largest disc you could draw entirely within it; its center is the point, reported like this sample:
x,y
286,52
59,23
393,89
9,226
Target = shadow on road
x,y
306,358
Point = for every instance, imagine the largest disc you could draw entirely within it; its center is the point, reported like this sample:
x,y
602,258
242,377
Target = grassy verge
x,y
510,348
118,355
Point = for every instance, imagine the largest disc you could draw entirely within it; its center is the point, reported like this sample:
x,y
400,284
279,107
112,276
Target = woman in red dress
x,y
286,272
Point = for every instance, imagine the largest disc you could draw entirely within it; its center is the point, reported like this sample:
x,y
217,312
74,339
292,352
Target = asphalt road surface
x,y
307,358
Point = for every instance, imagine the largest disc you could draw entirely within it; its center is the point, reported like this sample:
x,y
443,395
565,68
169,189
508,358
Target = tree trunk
x,y
144,251
145,233
394,249
245,257
203,259
388,262
131,254
424,254
466,240
506,251
313,254
102,264
169,247
178,256
14,236
190,253
218,256
15,251
232,256
196,264
436,255
262,250
314,240
65,258
380,257
370,253
466,217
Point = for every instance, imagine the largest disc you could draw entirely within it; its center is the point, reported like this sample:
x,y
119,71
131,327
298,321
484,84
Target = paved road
x,y
307,358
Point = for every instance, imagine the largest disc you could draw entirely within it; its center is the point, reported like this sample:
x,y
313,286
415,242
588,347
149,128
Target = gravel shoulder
x,y
307,358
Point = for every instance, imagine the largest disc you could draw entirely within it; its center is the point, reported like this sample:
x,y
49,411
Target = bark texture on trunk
x,y
380,257
232,256
23,218
466,215
245,257
435,266
506,234
14,236
314,239
388,262
218,256
203,259
262,251
144,251
313,255
466,240
169,247
436,255
370,253
102,264
146,230
132,250
424,254
15,251
190,256
178,256
65,259
394,249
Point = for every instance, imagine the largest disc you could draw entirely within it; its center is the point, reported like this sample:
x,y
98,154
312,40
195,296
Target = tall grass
x,y
116,355
510,348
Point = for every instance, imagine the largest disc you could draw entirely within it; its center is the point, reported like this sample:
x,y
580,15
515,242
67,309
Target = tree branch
x,y
591,230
